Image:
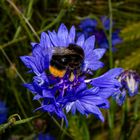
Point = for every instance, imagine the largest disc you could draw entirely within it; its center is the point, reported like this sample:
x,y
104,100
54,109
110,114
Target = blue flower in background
x,y
67,89
106,22
88,23
130,81
3,112
42,136
89,27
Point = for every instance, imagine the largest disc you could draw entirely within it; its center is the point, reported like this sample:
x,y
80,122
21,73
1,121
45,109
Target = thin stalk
x,y
17,72
19,104
19,75
125,123
17,32
62,122
111,120
61,128
136,116
110,34
9,124
111,112
16,40
29,10
28,15
15,92
58,18
10,62
24,20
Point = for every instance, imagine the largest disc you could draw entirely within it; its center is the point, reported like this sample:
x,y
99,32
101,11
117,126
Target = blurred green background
x,y
21,21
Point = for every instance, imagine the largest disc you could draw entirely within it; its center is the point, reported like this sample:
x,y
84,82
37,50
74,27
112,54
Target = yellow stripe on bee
x,y
57,73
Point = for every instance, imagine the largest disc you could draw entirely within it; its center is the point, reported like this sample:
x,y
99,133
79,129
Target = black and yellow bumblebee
x,y
66,59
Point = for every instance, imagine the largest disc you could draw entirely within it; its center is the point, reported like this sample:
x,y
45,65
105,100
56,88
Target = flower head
x,y
130,81
60,63
3,112
89,27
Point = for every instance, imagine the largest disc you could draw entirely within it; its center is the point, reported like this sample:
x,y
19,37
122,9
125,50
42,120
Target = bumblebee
x,y
66,59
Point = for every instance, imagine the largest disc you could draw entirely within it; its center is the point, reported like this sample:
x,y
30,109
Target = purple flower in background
x,y
106,22
3,112
130,81
42,136
88,23
60,64
89,29
87,26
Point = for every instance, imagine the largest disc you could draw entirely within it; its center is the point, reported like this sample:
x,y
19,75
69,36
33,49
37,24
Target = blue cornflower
x,y
70,91
3,112
87,26
91,29
130,81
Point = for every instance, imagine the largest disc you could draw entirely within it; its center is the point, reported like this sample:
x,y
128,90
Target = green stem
x,y
10,62
16,94
58,18
111,112
23,20
110,34
16,40
29,10
18,30
28,15
111,119
17,72
61,128
136,116
6,125
125,123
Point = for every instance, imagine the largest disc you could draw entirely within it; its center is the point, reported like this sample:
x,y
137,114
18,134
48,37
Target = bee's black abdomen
x,y
76,50
70,57
55,62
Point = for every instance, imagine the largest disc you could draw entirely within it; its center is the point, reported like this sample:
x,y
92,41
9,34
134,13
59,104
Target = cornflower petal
x,y
86,101
108,79
80,40
32,63
62,35
71,37
45,41
92,65
120,97
54,38
89,44
98,53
